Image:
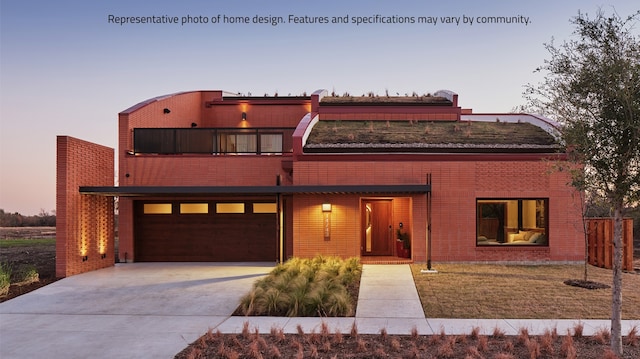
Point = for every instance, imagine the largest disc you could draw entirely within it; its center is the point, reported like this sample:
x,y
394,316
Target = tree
x,y
592,88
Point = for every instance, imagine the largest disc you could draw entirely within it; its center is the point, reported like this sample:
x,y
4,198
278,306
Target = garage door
x,y
205,231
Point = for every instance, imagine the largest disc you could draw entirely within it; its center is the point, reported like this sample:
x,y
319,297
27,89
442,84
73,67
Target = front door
x,y
377,231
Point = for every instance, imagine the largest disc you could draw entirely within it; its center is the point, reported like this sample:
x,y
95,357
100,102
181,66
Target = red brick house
x,y
210,176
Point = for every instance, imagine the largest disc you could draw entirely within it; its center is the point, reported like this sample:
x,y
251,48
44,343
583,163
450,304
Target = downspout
x,y
280,237
429,269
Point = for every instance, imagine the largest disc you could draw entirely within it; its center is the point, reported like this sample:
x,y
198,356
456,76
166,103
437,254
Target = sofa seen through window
x,y
512,222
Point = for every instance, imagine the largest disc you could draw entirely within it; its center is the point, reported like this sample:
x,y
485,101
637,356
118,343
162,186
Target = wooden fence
x,y
600,245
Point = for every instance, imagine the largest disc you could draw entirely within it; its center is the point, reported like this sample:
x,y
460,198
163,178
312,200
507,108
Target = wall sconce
x,y
103,256
326,221
85,258
166,111
194,125
244,116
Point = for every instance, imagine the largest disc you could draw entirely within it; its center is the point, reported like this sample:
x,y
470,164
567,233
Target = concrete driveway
x,y
136,310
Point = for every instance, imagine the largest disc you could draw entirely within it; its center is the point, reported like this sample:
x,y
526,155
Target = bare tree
x,y
592,87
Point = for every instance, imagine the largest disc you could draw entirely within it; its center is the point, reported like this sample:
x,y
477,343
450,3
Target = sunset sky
x,y
66,70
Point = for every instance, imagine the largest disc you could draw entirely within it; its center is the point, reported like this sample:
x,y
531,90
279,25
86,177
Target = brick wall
x,y
308,230
205,109
258,115
84,223
201,170
185,109
455,188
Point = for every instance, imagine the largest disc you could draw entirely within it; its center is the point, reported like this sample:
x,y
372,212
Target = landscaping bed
x,y
321,286
333,344
27,249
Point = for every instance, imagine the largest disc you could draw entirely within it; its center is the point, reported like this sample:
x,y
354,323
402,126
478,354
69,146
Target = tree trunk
x,y
616,302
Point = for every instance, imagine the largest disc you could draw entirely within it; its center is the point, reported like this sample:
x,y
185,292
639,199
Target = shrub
x,y
498,333
632,337
27,274
602,336
523,336
5,278
304,288
567,348
475,332
578,328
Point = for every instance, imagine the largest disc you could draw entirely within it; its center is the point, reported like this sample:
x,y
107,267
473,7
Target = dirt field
x,y
40,255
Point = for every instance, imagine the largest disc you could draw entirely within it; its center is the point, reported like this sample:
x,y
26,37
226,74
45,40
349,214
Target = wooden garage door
x,y
166,234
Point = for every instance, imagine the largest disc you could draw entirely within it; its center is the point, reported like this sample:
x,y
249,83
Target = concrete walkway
x,y
154,310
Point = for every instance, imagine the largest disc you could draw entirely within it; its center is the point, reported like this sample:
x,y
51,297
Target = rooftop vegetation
x,y
327,132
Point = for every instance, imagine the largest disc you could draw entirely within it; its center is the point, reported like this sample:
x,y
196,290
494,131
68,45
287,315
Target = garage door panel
x,y
215,237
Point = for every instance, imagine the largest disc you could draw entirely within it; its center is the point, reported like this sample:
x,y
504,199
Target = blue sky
x,y
64,70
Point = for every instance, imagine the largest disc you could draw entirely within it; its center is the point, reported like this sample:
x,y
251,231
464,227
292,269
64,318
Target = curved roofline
x,y
144,103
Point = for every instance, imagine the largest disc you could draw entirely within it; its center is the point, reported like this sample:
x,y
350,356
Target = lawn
x,y
516,291
27,242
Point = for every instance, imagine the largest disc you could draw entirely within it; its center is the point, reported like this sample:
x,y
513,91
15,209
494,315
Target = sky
x,y
66,69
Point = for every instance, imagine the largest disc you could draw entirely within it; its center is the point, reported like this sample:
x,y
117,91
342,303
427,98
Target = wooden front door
x,y
377,231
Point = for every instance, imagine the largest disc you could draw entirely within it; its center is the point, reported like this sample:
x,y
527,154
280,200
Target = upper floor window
x,y
237,143
213,141
271,143
512,222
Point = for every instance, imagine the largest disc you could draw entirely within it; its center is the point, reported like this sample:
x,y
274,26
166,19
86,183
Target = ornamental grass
x,y
316,287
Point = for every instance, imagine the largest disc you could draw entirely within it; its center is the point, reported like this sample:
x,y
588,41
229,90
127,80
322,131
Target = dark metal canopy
x,y
133,191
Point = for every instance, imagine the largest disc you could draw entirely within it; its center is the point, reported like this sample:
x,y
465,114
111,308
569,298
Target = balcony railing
x,y
217,141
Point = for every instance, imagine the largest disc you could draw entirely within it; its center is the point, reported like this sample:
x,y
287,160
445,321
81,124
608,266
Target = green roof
x,y
385,100
428,136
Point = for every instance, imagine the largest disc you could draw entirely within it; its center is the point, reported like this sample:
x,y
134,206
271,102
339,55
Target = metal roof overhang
x,y
157,191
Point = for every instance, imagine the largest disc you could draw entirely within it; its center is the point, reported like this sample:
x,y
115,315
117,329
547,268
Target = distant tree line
x,y
43,219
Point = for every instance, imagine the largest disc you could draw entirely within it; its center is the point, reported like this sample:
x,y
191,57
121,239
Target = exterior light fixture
x,y
103,256
244,116
166,111
85,258
326,221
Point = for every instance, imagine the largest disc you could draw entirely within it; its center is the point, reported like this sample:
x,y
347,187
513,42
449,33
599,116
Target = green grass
x,y
27,274
518,291
5,278
305,288
26,242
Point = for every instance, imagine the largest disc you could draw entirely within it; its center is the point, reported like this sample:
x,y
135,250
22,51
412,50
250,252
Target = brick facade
x,y
458,181
455,187
84,223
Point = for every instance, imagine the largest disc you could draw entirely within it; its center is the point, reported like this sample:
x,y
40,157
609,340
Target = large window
x,y
271,143
238,143
256,141
512,222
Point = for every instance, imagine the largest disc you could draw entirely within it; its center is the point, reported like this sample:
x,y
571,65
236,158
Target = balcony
x,y
215,141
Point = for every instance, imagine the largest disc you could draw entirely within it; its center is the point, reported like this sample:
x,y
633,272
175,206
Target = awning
x,y
157,191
